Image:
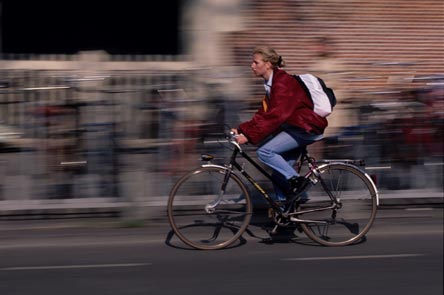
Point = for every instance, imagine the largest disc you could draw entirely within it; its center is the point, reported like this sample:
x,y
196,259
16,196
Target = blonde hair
x,y
269,54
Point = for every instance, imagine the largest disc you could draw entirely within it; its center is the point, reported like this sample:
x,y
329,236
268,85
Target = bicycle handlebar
x,y
231,137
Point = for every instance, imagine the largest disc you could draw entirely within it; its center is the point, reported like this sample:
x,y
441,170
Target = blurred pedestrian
x,y
284,122
329,67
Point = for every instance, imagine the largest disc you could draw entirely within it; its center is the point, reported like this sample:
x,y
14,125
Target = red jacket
x,y
289,104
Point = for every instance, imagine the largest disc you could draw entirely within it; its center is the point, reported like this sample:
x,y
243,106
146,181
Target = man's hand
x,y
240,138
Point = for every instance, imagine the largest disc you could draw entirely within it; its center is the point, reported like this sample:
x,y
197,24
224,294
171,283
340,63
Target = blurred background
x,y
103,108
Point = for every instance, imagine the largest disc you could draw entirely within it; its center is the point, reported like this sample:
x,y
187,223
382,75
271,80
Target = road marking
x,y
50,267
352,257
419,209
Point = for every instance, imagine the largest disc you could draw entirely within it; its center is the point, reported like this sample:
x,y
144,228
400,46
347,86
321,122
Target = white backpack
x,y
322,97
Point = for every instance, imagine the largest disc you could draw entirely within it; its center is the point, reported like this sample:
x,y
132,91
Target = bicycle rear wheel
x,y
358,198
209,208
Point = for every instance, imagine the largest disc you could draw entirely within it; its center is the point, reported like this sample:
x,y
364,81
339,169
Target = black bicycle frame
x,y
304,156
236,165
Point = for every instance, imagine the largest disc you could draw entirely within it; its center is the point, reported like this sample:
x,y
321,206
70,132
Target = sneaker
x,y
297,184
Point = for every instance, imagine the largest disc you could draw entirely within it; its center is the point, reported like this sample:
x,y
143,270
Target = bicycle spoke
x,y
221,202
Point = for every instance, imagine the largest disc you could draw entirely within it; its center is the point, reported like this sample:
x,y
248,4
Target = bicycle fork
x,y
211,206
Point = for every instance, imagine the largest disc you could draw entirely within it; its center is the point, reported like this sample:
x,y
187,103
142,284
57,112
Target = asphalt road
x,y
403,254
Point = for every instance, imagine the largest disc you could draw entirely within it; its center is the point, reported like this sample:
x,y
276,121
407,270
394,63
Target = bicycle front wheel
x,y
209,208
349,222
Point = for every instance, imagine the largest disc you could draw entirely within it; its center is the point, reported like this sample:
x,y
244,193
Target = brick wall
x,y
379,40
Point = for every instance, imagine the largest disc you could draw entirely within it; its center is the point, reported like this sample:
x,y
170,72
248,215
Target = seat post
x,y
306,156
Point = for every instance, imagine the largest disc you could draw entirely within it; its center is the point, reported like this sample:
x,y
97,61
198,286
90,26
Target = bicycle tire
x,y
190,199
359,201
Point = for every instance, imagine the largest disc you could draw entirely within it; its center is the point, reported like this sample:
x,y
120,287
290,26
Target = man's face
x,y
259,66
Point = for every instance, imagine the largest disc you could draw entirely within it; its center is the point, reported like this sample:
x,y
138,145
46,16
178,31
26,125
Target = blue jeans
x,y
280,153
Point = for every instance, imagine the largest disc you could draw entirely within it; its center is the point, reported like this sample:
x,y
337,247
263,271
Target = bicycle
x,y
210,207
